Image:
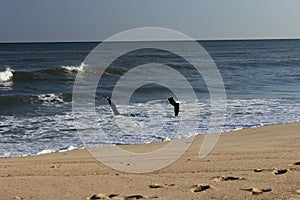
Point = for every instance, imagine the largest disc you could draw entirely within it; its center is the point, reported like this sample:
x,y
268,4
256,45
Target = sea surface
x,y
261,79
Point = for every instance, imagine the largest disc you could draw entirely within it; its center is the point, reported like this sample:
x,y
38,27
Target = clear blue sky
x,y
95,20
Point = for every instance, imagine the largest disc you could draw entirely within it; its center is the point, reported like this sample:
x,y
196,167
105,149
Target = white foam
x,y
57,133
6,75
70,148
51,98
45,151
75,69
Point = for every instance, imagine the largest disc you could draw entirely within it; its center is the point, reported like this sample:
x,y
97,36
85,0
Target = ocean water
x,y
261,78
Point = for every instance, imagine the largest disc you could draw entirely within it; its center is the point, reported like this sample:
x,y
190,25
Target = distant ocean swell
x,y
65,72
11,75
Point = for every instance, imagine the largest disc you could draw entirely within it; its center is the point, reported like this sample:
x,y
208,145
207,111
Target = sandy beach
x,y
256,163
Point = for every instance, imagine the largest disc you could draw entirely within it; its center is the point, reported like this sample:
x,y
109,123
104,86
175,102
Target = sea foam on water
x,y
6,75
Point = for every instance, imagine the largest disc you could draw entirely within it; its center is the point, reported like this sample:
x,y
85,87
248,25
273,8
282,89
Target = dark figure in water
x,y
175,104
116,112
113,106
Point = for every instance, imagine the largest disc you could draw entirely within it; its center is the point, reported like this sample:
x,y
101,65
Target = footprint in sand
x,y
279,171
202,188
133,197
98,196
157,185
226,178
296,163
257,191
262,170
275,171
154,186
117,197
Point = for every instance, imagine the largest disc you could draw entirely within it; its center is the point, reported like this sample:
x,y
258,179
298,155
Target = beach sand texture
x,y
256,163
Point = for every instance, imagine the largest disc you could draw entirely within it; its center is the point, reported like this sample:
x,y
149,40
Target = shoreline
x,y
72,148
258,162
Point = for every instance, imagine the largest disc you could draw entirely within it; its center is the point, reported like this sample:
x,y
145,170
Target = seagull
x,y
116,112
175,104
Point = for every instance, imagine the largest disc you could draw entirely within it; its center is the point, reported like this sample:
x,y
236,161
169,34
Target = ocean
x,y
261,79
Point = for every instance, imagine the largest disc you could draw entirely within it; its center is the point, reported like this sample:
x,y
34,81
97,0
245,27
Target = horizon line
x,y
95,41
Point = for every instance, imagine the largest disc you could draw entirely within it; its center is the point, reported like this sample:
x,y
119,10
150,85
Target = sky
x,y
96,20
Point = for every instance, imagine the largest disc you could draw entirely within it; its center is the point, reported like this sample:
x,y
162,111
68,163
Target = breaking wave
x,y
7,75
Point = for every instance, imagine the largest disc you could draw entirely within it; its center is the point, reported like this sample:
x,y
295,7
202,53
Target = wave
x,y
45,99
76,69
6,75
111,71
45,74
61,73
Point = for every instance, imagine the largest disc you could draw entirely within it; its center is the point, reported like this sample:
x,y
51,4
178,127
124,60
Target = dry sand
x,y
257,163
